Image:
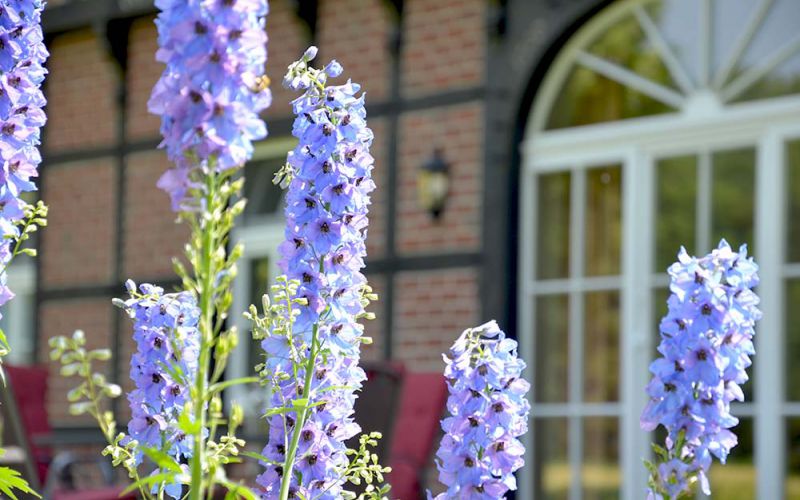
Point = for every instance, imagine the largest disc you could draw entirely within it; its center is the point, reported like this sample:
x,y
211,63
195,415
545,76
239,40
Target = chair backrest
x,y
422,403
28,384
416,427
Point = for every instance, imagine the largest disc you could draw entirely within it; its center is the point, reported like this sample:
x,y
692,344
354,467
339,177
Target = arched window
x,y
661,123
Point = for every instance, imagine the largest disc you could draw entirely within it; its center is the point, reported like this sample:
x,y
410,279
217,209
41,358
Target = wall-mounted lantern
x,y
433,184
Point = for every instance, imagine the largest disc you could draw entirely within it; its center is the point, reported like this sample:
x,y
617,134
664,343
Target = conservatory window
x,y
661,123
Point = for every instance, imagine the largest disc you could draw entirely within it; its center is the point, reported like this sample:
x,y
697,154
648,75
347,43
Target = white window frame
x,y
703,125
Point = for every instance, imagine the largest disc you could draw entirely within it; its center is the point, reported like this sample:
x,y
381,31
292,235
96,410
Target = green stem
x,y
205,276
286,479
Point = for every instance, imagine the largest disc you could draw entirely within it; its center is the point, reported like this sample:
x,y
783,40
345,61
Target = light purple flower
x,y
212,90
480,450
706,344
22,57
326,219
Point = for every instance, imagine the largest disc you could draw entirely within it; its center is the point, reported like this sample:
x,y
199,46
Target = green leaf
x,y
258,456
161,459
228,383
236,491
148,481
10,480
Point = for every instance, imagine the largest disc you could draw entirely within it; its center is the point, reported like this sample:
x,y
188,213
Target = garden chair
x,y
28,386
416,428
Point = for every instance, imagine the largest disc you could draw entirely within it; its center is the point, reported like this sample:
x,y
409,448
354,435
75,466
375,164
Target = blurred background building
x,y
537,161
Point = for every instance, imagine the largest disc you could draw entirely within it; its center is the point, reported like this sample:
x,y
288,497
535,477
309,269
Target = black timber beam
x,y
89,13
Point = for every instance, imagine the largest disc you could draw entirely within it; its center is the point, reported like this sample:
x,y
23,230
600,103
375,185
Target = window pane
x,y
626,45
736,480
600,475
676,200
601,347
679,24
732,197
551,349
792,348
588,98
793,457
603,220
777,31
553,234
550,465
793,185
263,197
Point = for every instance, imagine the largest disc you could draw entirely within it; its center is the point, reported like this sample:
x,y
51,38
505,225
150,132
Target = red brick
x,y
143,73
432,308
287,41
444,45
355,33
151,235
81,86
78,243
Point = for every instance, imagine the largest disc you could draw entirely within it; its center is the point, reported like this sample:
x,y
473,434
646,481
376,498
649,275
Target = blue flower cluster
x,y
480,450
213,88
163,368
706,344
22,56
324,249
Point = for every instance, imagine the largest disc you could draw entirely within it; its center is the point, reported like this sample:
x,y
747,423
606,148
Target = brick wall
x,y
77,246
431,311
80,93
444,45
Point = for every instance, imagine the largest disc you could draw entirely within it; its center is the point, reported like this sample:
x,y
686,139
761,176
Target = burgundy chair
x,y
416,427
28,385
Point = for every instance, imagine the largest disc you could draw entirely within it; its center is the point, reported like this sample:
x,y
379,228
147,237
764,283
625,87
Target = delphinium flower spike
x,y
488,408
213,88
22,56
313,359
163,368
706,344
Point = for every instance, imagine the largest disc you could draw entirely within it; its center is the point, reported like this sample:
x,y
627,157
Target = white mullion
x,y
636,219
791,409
703,201
704,59
741,44
567,285
627,77
552,410
575,360
672,63
768,362
527,312
753,75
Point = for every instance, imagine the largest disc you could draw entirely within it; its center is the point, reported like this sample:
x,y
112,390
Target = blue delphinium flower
x,y
706,344
328,176
163,368
480,450
213,88
22,56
